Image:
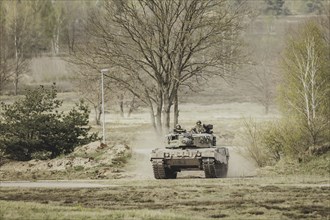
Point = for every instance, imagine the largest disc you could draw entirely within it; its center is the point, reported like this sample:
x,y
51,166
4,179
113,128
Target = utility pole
x,y
102,88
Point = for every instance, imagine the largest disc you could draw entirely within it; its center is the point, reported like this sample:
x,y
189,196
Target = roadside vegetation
x,y
91,161
302,136
34,128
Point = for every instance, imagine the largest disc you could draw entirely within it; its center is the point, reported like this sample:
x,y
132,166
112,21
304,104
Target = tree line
x,y
153,49
36,28
303,99
156,47
63,28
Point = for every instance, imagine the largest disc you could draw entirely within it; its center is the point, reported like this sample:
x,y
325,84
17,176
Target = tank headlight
x,y
198,154
166,154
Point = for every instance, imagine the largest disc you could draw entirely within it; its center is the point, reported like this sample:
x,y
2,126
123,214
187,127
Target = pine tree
x,y
34,126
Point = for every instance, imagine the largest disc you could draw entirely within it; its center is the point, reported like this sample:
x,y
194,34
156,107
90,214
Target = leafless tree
x,y
125,101
154,47
261,76
19,22
90,91
261,73
88,85
4,55
306,67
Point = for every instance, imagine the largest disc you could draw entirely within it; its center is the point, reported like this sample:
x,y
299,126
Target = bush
x,y
252,140
268,142
285,137
33,126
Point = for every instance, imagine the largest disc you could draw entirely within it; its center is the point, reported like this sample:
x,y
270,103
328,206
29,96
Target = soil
x,y
92,161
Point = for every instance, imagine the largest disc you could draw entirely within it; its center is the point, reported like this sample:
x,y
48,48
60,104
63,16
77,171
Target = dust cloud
x,y
139,166
240,166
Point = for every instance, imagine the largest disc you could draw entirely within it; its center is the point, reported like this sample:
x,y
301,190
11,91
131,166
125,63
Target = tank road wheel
x,y
214,170
209,168
162,172
221,170
159,169
218,170
224,170
170,174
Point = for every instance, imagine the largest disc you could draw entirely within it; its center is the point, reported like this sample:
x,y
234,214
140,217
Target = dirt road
x,y
139,166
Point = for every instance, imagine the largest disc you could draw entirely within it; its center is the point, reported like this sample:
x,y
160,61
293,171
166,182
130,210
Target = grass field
x,y
296,197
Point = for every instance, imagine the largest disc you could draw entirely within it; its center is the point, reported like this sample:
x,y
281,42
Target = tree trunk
x,y
152,117
16,52
56,36
121,105
131,107
159,105
167,115
98,114
176,110
159,119
167,109
266,108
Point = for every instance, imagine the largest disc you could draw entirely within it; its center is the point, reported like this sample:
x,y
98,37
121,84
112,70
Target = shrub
x,y
33,126
304,97
252,140
284,138
268,142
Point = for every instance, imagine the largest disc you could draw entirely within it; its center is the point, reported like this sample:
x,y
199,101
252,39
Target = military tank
x,y
186,151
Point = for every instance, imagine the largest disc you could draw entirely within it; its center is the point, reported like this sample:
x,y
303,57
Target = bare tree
x,y
306,80
125,101
4,53
89,89
261,81
156,46
88,85
19,21
261,76
261,72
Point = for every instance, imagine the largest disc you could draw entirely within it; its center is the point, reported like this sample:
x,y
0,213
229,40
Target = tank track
x,y
209,168
159,169
214,170
162,172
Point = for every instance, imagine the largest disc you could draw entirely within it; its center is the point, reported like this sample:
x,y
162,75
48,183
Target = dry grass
x,y
299,197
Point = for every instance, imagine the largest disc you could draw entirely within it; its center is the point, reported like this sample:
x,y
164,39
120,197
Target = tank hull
x,y
168,162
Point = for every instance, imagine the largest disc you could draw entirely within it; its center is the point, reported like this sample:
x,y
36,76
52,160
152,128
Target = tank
x,y
186,151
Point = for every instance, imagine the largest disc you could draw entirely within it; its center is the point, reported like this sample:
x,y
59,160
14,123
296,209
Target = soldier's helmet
x,y
178,126
198,122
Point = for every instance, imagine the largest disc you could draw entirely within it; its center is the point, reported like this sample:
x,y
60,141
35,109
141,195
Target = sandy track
x,y
140,167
